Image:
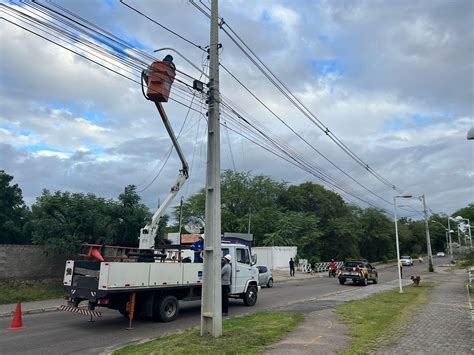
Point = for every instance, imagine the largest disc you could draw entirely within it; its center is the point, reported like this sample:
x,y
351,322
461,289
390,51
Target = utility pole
x,y
428,240
180,221
450,241
211,306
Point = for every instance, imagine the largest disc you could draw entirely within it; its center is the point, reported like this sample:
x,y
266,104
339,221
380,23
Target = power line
x,y
293,99
162,26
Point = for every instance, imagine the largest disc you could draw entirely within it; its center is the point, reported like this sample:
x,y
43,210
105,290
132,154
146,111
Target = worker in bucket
x,y
198,247
226,277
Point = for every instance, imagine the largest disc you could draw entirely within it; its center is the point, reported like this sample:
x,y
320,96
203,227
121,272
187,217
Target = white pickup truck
x,y
157,286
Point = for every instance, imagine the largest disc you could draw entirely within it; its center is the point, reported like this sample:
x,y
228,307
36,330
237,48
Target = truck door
x,y
243,269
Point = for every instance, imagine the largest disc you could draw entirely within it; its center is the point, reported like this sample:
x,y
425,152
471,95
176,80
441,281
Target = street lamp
x,y
406,195
448,236
459,218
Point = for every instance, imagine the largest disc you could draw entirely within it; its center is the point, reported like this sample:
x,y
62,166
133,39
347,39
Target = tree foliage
x,y
318,221
64,220
13,212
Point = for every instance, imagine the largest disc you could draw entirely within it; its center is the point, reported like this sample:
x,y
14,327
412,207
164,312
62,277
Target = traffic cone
x,y
17,323
96,254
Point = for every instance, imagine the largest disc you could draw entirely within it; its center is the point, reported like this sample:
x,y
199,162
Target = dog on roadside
x,y
416,280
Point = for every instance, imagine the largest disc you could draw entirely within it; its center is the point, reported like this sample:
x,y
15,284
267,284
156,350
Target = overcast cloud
x,y
394,80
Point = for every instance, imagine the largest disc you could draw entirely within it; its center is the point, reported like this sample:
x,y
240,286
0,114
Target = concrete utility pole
x,y
450,241
211,306
428,240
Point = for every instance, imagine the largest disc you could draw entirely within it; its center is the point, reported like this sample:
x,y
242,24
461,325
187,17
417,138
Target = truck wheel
x,y
166,309
342,281
270,283
250,296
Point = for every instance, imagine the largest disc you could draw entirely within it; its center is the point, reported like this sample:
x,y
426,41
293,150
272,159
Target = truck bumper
x,y
78,310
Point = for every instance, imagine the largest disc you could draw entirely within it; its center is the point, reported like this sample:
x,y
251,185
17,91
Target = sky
x,y
392,80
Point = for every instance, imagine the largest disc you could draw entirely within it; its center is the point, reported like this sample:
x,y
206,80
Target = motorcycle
x,y
332,272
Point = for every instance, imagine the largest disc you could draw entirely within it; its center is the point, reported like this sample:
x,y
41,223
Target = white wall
x,y
275,257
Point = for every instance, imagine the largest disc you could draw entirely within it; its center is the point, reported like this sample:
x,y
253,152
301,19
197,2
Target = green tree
x,y
14,214
313,198
130,215
64,220
378,240
242,196
466,212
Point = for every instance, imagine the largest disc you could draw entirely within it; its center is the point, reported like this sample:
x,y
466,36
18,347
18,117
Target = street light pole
x,y
459,218
428,240
396,240
450,240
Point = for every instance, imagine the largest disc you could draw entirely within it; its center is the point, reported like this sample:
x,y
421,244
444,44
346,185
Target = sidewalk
x,y
7,310
443,326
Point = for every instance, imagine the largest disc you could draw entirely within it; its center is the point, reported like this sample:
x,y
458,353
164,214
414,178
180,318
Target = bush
x,y
467,259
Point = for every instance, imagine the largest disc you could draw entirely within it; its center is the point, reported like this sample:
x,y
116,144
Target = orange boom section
x,y
161,76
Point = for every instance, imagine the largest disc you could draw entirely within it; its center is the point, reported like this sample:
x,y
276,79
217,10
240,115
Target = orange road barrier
x,y
17,323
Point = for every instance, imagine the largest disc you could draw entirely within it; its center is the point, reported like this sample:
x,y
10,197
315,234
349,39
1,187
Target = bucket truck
x,y
146,287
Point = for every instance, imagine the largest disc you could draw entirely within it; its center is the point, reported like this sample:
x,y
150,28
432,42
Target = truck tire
x,y
250,296
165,309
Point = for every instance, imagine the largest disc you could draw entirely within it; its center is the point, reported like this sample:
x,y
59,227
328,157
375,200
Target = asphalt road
x,y
67,333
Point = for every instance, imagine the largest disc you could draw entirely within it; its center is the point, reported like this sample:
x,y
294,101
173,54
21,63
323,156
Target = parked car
x,y
265,276
406,260
359,271
440,254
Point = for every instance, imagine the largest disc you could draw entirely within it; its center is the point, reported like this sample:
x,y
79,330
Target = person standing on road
x,y
226,278
292,267
401,269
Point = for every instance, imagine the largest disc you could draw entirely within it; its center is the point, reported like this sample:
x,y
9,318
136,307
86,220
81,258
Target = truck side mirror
x,y
254,259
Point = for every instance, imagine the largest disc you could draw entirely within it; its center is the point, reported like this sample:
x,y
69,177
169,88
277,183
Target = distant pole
x,y
428,240
180,220
450,240
211,306
250,216
397,244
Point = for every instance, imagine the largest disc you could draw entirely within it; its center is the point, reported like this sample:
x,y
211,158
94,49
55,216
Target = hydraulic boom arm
x,y
148,233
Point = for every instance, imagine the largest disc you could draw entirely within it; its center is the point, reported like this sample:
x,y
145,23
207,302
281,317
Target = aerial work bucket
x,y
160,77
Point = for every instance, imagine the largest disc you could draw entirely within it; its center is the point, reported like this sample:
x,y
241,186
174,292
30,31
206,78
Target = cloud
x,y
393,80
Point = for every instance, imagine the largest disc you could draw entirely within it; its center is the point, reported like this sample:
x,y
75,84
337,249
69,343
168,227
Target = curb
x,y
31,311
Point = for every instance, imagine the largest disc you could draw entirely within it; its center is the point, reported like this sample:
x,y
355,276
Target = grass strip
x,y
381,319
35,292
241,335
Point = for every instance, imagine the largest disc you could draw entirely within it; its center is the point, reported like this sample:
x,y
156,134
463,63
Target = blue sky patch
x,y
93,116
420,120
394,124
326,66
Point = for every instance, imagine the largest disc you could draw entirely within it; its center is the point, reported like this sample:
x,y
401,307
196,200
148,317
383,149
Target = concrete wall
x,y
29,262
275,257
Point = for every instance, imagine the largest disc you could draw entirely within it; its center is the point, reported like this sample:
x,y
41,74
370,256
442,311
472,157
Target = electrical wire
x,y
296,158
